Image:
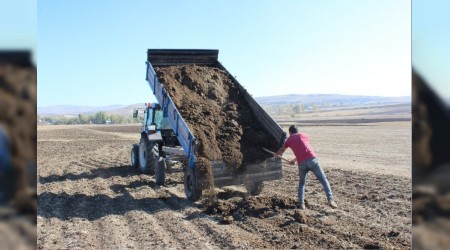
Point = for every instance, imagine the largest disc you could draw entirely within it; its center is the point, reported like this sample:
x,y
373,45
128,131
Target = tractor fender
x,y
156,137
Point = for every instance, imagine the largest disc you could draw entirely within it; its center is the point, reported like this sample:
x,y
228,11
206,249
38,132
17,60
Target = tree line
x,y
291,108
97,118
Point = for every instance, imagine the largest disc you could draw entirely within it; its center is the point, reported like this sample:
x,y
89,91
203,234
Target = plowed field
x,y
89,196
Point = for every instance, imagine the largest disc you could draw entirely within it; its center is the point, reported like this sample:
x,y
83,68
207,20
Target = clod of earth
x,y
300,217
227,220
259,207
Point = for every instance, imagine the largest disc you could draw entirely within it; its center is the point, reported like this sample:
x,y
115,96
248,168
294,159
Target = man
x,y
307,161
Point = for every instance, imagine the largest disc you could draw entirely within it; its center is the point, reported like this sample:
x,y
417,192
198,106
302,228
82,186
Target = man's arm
x,y
280,151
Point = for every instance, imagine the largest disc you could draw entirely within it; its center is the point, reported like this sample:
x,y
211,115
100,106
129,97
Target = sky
x,y
92,52
431,40
18,25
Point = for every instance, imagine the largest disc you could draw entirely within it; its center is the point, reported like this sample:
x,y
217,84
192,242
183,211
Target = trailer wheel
x,y
191,185
160,171
135,155
254,188
148,154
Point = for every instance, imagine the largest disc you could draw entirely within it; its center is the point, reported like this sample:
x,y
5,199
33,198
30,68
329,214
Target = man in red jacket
x,y
307,161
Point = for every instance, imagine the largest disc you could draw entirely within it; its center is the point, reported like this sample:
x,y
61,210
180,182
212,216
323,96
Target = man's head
x,y
293,129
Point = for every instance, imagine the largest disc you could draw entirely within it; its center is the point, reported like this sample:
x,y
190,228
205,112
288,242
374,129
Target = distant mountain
x,y
341,100
75,110
347,100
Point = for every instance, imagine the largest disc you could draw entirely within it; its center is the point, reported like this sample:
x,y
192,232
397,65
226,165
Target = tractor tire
x,y
135,156
192,188
254,188
148,155
160,171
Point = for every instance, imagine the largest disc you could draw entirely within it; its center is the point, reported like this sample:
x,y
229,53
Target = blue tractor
x,y
158,144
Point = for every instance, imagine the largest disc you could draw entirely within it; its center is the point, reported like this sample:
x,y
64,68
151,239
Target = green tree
x,y
297,108
116,119
83,119
71,120
100,118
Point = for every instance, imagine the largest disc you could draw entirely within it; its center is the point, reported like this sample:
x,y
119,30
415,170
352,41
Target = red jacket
x,y
299,143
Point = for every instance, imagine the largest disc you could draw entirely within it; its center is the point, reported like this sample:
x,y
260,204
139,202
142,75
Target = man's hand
x,y
280,151
292,162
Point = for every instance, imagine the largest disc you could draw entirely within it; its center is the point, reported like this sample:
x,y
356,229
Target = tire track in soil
x,y
143,238
223,236
341,230
165,223
51,233
88,163
112,242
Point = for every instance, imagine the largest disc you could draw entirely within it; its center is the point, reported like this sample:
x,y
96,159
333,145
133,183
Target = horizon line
x,y
100,105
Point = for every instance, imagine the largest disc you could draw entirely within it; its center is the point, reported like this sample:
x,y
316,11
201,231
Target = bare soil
x,y
217,114
90,197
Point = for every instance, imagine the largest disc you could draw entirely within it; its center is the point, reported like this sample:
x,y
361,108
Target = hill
x,y
72,110
329,99
347,100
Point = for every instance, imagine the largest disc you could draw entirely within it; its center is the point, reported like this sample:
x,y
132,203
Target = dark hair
x,y
293,129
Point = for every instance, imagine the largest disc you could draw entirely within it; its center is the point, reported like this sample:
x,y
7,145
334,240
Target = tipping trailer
x,y
165,136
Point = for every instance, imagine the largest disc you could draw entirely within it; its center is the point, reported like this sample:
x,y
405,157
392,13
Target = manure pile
x,y
217,114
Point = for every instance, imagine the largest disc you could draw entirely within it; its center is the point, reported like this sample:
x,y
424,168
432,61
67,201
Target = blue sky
x,y
431,40
18,25
93,52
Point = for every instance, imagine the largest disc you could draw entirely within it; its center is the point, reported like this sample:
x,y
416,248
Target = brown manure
x,y
216,112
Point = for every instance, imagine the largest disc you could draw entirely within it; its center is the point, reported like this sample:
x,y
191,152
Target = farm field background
x,y
90,197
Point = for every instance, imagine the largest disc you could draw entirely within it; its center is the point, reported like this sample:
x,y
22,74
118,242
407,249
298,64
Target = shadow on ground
x,y
104,173
67,206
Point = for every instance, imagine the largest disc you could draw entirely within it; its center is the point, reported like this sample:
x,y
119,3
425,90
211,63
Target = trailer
x,y
166,138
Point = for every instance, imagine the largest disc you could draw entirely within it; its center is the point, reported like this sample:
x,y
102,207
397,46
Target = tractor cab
x,y
154,122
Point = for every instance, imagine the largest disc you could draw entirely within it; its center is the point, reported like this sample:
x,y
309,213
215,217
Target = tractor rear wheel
x,y
192,187
135,155
148,155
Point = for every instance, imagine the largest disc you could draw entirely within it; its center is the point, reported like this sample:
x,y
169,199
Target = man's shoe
x,y
332,204
302,206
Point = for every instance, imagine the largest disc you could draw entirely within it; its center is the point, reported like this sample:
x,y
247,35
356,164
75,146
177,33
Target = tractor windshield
x,y
160,121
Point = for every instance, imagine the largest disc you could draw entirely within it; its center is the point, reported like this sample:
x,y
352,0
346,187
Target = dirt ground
x,y
90,197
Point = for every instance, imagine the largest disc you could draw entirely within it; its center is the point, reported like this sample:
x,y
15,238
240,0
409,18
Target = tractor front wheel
x,y
135,156
148,155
